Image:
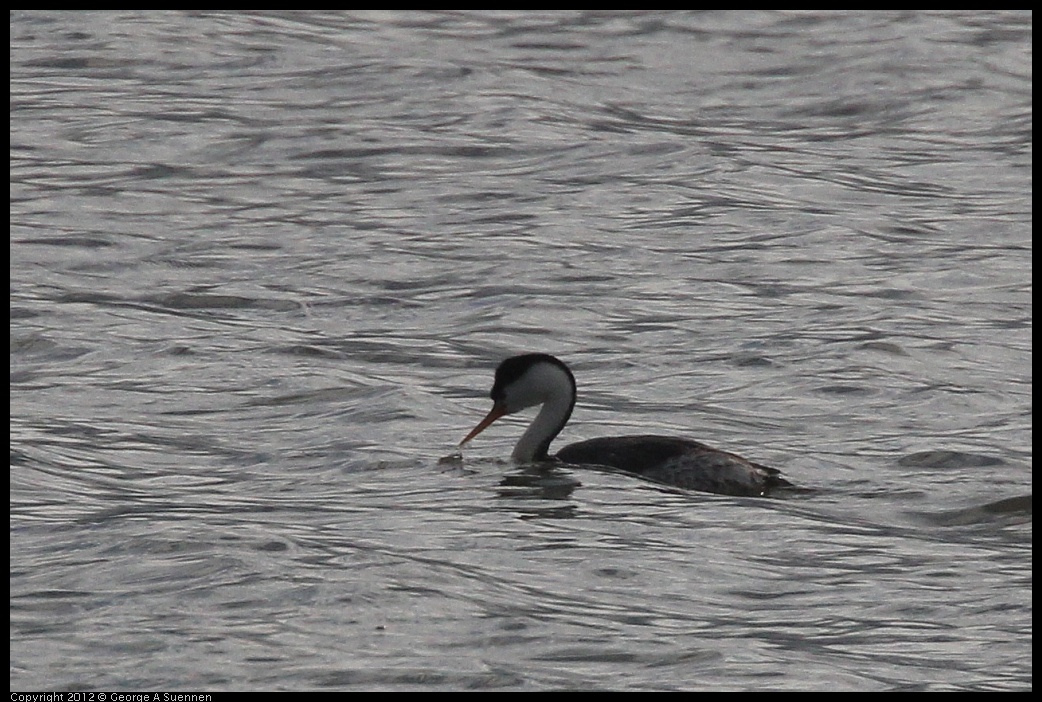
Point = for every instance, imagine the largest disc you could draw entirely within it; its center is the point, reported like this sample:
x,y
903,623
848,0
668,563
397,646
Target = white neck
x,y
546,425
547,385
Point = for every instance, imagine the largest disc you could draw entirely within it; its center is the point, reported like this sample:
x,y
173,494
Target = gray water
x,y
263,266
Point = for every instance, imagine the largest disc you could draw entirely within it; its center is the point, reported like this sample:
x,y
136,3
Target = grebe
x,y
541,379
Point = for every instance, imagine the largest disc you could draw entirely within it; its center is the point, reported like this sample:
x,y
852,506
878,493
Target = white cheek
x,y
518,398
535,387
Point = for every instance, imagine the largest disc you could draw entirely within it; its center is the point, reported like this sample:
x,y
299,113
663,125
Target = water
x,y
264,264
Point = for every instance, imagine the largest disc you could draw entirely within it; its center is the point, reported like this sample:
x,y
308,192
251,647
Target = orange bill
x,y
497,411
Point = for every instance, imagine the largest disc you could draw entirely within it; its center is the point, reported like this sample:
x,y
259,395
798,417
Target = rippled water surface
x,y
263,266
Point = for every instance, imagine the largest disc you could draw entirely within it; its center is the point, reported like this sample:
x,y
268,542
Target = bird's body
x,y
541,379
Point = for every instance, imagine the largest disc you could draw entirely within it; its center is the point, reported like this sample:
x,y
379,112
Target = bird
x,y
539,379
